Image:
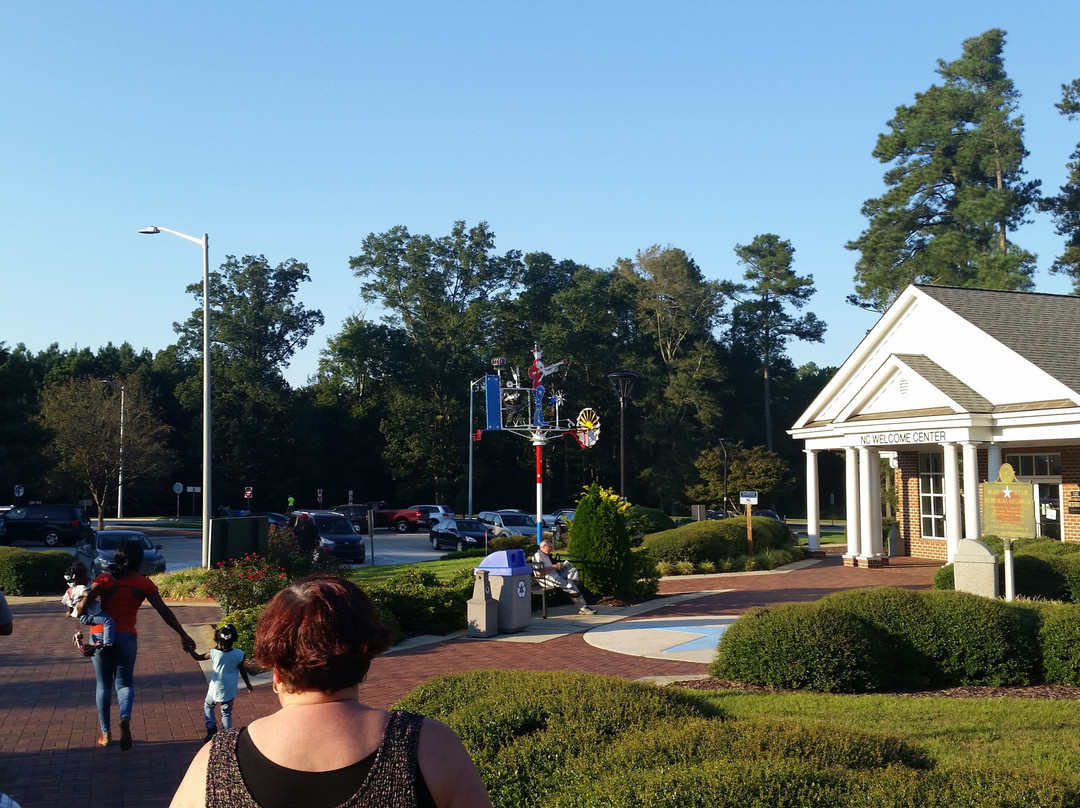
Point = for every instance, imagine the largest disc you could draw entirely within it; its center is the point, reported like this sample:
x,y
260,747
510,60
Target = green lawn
x,y
1036,734
443,568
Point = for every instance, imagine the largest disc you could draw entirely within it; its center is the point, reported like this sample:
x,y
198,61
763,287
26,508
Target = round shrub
x,y
695,542
979,641
642,521
945,578
901,619
1059,638
801,646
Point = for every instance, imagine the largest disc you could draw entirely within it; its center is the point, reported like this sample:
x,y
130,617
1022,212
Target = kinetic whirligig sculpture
x,y
518,406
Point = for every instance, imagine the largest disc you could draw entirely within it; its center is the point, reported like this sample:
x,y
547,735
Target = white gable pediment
x,y
898,387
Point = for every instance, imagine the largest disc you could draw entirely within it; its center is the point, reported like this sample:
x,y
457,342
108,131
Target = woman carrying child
x,y
122,591
225,663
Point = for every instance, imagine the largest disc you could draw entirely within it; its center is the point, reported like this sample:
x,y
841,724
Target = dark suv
x,y
52,524
328,533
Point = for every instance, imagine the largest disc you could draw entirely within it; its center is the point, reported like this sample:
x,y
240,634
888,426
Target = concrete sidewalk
x,y
48,722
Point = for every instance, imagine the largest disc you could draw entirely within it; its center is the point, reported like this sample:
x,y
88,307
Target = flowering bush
x,y
243,583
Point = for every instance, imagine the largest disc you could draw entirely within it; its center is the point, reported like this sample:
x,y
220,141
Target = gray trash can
x,y
511,581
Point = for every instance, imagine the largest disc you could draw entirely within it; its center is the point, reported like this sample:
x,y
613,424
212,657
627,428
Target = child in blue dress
x,y
226,663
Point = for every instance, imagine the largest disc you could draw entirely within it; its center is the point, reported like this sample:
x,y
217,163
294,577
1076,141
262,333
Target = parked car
x,y
276,519
357,513
430,514
52,524
336,535
458,534
768,514
96,551
511,522
403,520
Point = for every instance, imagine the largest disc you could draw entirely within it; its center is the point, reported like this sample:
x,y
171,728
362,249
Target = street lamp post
x,y
723,445
120,481
204,242
472,439
623,382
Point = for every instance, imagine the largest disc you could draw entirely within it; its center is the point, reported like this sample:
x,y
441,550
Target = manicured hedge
x,y
884,639
717,539
26,572
574,740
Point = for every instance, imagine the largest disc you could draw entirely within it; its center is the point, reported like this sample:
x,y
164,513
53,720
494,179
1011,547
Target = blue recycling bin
x,y
511,581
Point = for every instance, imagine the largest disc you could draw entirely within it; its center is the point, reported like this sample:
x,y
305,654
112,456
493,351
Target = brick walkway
x,y
48,722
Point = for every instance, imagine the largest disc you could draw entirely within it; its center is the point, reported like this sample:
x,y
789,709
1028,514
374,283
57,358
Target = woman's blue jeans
x,y
115,669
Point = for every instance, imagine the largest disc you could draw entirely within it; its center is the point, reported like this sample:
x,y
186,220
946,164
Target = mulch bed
x,y
1049,692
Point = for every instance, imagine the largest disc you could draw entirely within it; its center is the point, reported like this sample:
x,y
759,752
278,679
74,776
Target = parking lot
x,y
183,547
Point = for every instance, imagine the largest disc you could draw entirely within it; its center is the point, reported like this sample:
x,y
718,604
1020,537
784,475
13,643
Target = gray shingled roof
x,y
1042,328
948,384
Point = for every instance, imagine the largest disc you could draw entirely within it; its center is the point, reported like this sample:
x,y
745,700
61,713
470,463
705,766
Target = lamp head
x,y
150,231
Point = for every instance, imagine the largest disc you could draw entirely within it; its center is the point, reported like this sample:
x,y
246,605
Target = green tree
x,y
83,417
441,295
1065,207
22,439
753,469
760,318
256,325
599,535
955,186
676,311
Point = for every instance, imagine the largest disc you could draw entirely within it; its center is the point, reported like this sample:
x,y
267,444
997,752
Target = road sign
x,y
178,488
247,492
319,496
748,497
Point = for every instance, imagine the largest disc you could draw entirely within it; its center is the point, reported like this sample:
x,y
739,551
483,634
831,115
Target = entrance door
x,y
1048,510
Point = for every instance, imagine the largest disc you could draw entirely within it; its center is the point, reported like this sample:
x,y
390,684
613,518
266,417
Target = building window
x,y
1035,465
932,495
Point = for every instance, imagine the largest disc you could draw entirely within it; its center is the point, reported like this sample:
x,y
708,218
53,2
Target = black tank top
x,y
239,775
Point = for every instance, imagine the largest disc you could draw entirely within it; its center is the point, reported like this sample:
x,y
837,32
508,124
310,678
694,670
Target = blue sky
x,y
589,130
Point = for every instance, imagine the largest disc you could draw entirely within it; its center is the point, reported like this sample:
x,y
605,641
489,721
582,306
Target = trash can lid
x,y
505,562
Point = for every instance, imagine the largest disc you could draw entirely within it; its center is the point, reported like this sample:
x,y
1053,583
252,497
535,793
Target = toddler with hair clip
x,y
226,663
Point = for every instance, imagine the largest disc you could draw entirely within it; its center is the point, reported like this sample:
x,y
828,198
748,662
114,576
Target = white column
x,y
813,502
851,483
869,493
877,547
971,491
953,515
993,462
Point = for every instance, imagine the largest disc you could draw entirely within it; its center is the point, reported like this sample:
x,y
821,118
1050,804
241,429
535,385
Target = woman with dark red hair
x,y
325,747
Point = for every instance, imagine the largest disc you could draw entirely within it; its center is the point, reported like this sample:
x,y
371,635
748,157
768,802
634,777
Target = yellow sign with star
x,y
1008,509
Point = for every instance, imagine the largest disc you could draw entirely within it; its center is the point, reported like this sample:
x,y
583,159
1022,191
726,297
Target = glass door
x,y
1048,510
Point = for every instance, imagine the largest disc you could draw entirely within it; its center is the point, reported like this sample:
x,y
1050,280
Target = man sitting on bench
x,y
559,574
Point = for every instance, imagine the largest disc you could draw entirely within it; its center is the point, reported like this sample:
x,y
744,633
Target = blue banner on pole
x,y
493,401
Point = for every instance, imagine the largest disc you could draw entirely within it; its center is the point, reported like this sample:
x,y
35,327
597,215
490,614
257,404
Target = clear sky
x,y
588,130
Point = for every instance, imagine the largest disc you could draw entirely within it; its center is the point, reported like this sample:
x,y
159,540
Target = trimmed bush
x,y
25,572
642,521
422,604
801,646
600,537
695,542
571,740
1059,638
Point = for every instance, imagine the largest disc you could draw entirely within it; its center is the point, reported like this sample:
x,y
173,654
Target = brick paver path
x,y
48,722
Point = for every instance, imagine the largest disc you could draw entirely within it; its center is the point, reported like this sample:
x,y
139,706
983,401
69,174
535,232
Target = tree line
x,y
386,416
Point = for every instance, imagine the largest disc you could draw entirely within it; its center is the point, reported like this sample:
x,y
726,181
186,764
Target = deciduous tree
x,y
83,418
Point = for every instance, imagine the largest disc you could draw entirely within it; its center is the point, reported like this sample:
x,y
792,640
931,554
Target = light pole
x,y
723,445
472,438
120,481
204,242
623,382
